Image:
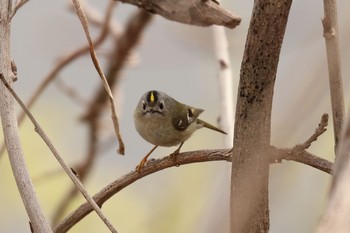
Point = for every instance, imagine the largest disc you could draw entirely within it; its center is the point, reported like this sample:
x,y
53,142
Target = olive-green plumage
x,y
163,121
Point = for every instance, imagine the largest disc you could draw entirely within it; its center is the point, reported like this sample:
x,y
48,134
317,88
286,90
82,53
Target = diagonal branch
x,y
106,28
318,131
84,23
123,46
67,169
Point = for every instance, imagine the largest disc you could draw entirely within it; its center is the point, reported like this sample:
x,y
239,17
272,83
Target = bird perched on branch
x,y
163,121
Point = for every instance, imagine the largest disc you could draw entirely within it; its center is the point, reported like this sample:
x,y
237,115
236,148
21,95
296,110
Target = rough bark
x,y
249,179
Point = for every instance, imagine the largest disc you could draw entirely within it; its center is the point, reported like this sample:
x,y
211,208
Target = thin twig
x,y
65,61
225,79
153,166
18,5
67,169
303,157
318,131
82,169
71,93
98,19
125,45
331,35
122,48
84,23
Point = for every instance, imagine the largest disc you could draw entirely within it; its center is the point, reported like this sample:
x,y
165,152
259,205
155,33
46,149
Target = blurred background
x,y
180,60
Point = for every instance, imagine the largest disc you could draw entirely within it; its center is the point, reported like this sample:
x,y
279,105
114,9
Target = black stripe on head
x,y
152,97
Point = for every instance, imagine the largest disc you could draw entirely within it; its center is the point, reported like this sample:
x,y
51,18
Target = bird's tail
x,y
209,126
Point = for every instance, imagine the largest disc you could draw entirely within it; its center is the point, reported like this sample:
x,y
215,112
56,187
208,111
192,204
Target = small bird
x,y
163,121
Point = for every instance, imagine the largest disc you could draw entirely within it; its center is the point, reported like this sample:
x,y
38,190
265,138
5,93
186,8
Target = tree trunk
x,y
249,178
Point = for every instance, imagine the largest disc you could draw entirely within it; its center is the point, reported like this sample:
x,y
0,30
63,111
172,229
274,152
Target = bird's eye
x,y
161,105
143,105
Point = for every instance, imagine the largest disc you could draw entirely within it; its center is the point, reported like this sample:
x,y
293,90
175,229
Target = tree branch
x,y
64,62
10,128
337,211
83,20
153,166
331,35
225,80
195,12
66,168
249,178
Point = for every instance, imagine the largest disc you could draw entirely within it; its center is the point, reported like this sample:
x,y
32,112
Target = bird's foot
x,y
141,165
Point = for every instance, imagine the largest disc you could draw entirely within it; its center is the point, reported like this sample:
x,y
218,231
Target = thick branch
x,y
10,128
249,179
195,12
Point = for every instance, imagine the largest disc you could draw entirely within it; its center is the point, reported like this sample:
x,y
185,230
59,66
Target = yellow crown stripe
x,y
151,98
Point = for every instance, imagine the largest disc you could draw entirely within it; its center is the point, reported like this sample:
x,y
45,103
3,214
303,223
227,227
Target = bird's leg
x,y
176,152
144,160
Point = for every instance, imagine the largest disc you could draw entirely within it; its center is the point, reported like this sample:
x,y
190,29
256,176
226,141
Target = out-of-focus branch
x,y
65,61
96,18
337,212
84,23
126,43
225,80
195,12
54,151
18,5
123,46
157,165
12,140
331,35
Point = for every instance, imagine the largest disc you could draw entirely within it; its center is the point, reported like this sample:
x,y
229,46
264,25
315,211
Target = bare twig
x,y
122,48
131,177
98,19
65,61
84,23
82,169
303,157
125,45
225,78
71,92
299,154
153,166
331,35
18,5
10,127
318,131
67,169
